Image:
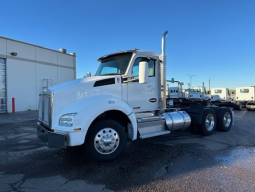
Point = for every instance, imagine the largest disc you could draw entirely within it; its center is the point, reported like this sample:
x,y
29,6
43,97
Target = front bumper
x,y
52,140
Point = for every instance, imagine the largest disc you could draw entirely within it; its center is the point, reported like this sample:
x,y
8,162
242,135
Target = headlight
x,y
67,120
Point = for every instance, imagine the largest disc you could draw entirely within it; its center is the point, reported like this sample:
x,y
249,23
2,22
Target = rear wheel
x,y
208,122
225,119
238,106
106,140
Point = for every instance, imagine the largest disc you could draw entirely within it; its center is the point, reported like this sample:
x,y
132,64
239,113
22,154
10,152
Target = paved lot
x,y
177,162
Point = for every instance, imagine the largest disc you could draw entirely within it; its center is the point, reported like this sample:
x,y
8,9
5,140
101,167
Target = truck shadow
x,y
143,162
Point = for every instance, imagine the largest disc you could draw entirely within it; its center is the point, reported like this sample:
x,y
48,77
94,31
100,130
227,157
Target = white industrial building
x,y
26,69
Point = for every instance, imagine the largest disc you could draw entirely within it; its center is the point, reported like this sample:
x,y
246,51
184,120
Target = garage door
x,y
2,86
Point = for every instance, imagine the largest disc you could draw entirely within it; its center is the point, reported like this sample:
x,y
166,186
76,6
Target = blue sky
x,y
208,38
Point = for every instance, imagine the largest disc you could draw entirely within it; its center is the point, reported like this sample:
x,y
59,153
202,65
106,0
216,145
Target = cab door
x,y
143,97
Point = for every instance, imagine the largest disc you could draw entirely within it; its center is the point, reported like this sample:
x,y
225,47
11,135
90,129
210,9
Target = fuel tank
x,y
177,120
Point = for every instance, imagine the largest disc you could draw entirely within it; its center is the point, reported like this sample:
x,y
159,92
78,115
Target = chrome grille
x,y
40,108
45,108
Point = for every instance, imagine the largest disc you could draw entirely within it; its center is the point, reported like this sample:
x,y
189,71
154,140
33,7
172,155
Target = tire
x,y
224,119
238,106
195,128
208,122
106,140
215,109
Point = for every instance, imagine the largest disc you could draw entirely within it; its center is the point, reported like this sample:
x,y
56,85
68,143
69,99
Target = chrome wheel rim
x,y
209,122
226,119
106,141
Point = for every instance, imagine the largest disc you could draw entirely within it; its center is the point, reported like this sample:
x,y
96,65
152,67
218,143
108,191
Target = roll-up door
x,y
2,86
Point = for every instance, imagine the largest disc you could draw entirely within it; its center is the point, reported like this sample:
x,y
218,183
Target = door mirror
x,y
143,72
88,74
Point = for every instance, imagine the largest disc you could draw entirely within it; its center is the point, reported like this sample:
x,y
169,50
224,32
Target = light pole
x,y
190,79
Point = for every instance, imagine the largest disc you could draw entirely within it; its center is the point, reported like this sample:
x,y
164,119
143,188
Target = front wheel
x,y
106,140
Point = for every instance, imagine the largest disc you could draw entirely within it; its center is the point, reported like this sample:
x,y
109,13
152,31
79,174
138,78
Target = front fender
x,y
89,108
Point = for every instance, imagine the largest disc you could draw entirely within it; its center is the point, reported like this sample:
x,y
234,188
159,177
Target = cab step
x,y
151,126
154,133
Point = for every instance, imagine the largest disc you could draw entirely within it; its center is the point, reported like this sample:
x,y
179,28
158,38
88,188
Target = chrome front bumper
x,y
51,139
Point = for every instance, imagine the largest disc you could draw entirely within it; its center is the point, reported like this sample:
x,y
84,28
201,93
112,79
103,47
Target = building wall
x,y
33,69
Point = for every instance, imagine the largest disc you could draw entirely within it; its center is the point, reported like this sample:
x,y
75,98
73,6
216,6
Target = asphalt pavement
x,y
181,161
7,118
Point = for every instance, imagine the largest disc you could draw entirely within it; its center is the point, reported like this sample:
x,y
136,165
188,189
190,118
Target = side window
x,y
151,67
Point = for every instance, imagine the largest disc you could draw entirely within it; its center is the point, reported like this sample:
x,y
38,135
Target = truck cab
x,y
176,93
245,94
220,94
246,97
198,93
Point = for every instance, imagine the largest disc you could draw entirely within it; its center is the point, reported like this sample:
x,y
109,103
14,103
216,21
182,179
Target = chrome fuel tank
x,y
177,120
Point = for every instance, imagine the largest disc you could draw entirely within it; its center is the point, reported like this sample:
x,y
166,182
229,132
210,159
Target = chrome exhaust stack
x,y
162,58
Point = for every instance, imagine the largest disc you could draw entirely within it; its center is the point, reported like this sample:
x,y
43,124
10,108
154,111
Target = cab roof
x,y
138,52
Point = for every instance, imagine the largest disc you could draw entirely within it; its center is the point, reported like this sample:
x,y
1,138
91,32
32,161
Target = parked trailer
x,y
246,96
125,100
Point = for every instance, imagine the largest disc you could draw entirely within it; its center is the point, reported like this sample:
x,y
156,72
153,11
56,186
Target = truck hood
x,y
70,92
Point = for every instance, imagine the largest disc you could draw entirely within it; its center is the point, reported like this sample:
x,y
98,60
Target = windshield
x,y
195,90
114,65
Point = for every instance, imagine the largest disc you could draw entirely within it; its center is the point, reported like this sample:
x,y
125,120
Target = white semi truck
x,y
125,100
246,96
178,97
222,97
198,93
220,94
175,94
